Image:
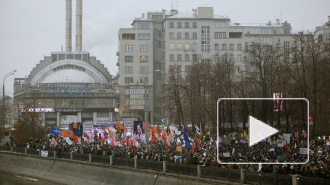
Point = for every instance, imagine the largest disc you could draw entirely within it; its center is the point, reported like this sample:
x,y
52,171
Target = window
x,y
186,47
186,35
143,59
171,35
194,24
157,17
205,39
171,57
186,25
143,47
216,47
186,57
179,57
128,80
239,46
171,24
326,36
239,57
186,68
179,47
171,46
278,40
157,33
129,59
144,80
219,35
128,69
143,26
128,47
179,35
179,67
143,36
157,43
219,24
231,46
286,31
179,25
128,36
194,35
224,47
194,47
143,69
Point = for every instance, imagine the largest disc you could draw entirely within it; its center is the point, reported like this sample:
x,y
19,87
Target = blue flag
x,y
186,139
55,131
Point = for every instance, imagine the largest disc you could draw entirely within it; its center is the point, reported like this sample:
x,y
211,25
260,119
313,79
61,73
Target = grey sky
x,y
32,29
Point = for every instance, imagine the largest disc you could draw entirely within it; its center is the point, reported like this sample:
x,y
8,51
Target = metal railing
x,y
235,175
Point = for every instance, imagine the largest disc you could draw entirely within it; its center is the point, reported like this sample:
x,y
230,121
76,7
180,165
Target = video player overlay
x,y
263,130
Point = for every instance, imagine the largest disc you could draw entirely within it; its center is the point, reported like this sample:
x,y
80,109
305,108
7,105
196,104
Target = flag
x,y
86,135
139,130
226,141
109,131
245,135
114,129
295,145
159,130
178,142
199,145
75,138
167,142
55,131
196,127
54,142
75,125
144,124
263,141
186,139
286,147
96,132
304,133
168,130
122,127
193,148
67,133
118,127
68,141
209,133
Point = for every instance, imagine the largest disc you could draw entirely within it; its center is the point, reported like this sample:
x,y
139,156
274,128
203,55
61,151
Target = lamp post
x,y
3,100
146,114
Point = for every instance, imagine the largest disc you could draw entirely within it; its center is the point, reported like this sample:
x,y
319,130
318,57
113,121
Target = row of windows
x,y
136,91
224,47
143,69
186,35
187,57
143,80
179,24
143,48
135,102
181,46
186,24
131,36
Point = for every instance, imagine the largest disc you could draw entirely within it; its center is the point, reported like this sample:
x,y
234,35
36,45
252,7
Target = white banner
x,y
280,144
67,139
287,137
271,150
226,154
303,150
44,153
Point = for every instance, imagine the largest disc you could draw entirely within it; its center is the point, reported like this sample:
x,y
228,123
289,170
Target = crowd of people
x,y
202,150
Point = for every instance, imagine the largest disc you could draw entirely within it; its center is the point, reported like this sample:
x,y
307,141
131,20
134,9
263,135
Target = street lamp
x,y
146,114
3,100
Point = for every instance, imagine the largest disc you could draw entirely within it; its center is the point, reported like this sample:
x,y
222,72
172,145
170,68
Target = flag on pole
x,y
245,135
200,136
144,124
67,133
193,148
54,142
186,139
286,147
199,145
55,131
75,125
304,133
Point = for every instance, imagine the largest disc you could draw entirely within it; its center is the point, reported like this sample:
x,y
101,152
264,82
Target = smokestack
x,y
78,25
68,33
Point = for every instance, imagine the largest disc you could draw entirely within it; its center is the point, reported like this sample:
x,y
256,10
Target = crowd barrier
x,y
241,176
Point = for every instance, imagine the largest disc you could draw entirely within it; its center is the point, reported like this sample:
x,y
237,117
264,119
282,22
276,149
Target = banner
x,y
67,133
243,141
67,139
226,154
179,148
280,144
303,150
271,150
44,153
287,137
226,141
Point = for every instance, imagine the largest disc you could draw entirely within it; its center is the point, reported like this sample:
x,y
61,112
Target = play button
x,y
259,130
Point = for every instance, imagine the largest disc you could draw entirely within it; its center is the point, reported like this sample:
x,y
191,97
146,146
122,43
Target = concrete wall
x,y
77,172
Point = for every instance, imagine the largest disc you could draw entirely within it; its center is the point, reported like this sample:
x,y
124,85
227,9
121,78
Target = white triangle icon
x,y
259,130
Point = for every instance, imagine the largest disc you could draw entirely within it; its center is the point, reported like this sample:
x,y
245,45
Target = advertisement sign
x,y
67,119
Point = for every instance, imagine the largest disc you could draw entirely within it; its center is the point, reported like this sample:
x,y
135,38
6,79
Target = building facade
x,y
67,87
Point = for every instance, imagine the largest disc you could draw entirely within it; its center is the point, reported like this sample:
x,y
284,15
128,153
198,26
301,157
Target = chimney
x,y
277,21
329,18
68,22
78,25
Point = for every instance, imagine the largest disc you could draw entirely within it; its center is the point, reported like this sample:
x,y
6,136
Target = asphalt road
x,y
13,179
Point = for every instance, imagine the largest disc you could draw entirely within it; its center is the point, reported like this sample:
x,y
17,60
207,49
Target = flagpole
x,y
146,119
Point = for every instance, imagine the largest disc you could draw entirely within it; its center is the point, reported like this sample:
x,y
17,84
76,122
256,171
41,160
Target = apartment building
x,y
168,40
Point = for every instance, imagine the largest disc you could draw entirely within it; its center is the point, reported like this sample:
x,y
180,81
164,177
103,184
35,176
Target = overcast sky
x,y
32,29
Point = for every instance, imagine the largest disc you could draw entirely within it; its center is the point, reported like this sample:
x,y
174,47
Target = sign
x,y
226,154
68,90
67,139
179,148
44,153
67,119
88,128
243,141
38,110
280,144
303,150
287,137
271,150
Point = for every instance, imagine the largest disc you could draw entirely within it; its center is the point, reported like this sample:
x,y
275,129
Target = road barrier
x,y
240,176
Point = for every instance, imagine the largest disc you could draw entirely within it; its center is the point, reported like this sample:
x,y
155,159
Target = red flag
x,y
297,136
144,124
199,145
67,133
200,136
209,133
193,148
286,147
304,133
122,127
54,142
167,142
75,139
